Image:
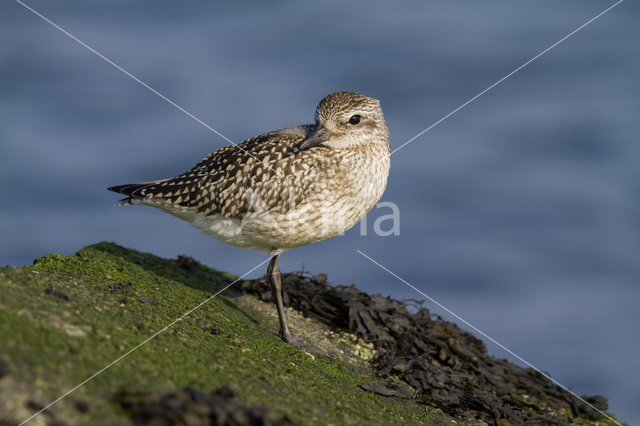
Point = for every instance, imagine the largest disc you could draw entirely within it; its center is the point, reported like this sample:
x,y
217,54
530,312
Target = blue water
x,y
520,213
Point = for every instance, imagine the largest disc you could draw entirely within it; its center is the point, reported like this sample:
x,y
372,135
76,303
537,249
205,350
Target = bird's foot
x,y
294,341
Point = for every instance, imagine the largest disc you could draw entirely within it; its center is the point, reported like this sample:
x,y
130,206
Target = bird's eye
x,y
355,119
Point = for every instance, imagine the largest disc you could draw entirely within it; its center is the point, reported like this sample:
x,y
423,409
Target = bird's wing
x,y
219,183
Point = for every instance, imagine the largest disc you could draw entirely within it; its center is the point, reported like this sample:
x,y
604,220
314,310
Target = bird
x,y
283,189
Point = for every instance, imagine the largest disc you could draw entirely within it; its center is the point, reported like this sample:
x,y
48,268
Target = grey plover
x,y
283,189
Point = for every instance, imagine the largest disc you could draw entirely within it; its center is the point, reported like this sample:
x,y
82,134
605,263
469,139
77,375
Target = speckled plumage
x,y
283,189
286,188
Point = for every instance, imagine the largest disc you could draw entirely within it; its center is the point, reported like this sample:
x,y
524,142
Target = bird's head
x,y
347,119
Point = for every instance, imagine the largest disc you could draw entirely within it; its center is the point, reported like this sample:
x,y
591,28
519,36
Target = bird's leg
x,y
276,287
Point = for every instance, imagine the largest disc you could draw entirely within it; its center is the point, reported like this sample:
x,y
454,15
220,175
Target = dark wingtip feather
x,y
125,189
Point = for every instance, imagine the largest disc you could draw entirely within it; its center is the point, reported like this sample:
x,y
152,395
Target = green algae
x,y
66,318
113,319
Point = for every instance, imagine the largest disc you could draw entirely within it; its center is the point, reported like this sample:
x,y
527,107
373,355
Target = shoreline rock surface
x,y
367,360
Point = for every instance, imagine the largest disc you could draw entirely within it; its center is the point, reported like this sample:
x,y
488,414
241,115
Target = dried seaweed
x,y
190,407
448,367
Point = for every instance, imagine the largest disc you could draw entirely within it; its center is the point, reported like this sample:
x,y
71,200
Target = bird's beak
x,y
319,136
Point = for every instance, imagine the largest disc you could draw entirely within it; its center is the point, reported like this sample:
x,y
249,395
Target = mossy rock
x,y
109,320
